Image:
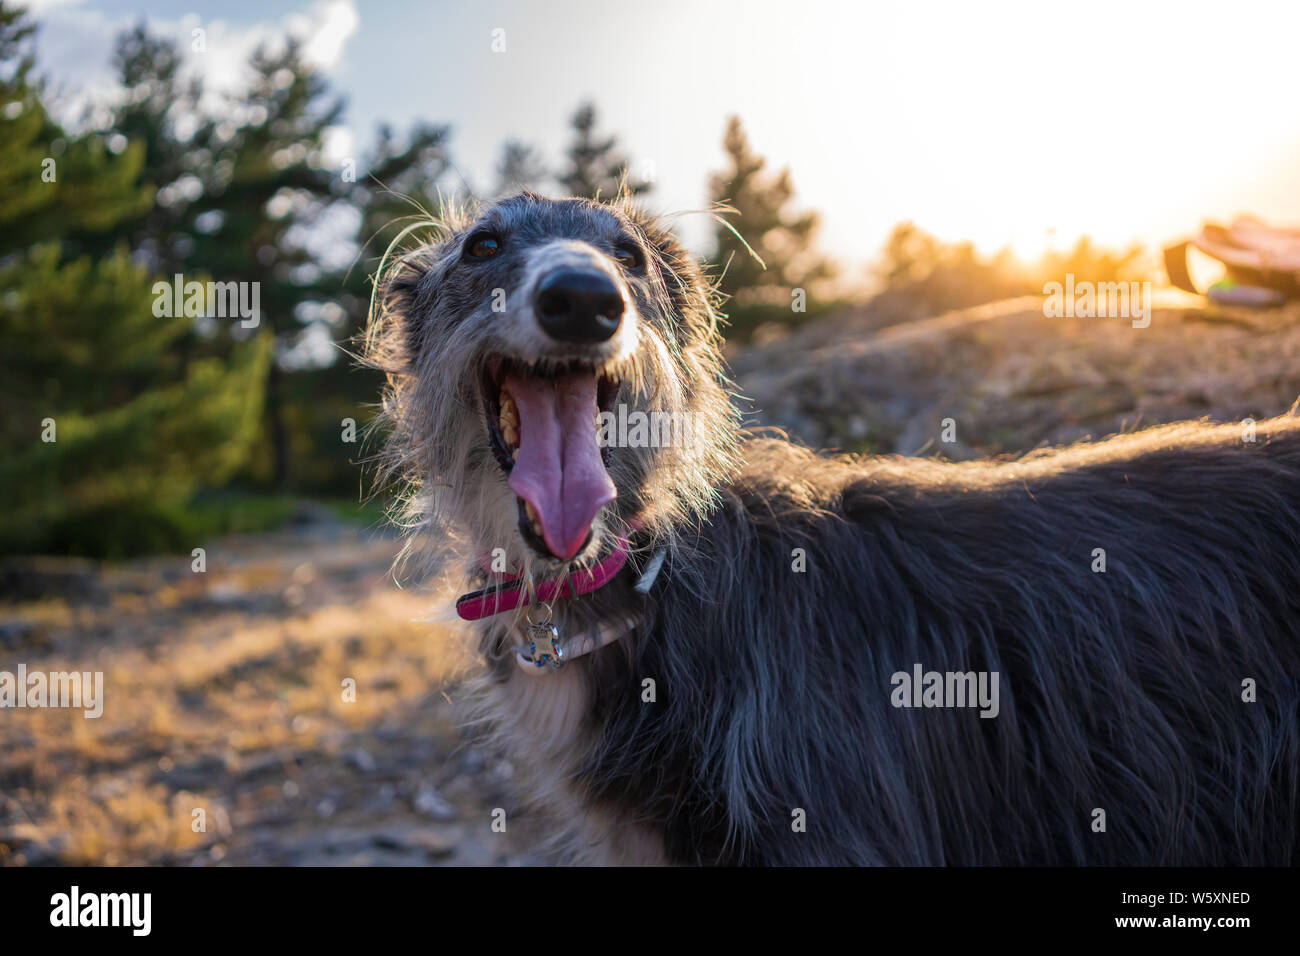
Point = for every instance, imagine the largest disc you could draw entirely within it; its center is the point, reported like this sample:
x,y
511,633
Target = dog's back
x,y
1138,601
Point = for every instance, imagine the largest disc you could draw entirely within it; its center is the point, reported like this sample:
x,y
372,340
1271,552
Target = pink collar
x,y
510,591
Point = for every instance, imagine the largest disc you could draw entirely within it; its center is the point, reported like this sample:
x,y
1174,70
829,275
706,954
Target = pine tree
x,y
520,168
780,237
402,179
596,167
155,102
400,182
240,212
257,218
241,190
108,428
54,186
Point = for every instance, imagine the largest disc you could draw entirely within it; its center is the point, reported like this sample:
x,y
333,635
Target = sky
x,y
1021,124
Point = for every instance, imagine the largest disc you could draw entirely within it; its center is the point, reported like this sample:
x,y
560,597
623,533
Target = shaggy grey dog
x,y
1089,655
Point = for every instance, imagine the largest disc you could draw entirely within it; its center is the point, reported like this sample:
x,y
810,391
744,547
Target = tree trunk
x,y
279,437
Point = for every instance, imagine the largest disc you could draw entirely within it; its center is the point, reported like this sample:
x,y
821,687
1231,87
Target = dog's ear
x,y
403,292
690,291
393,336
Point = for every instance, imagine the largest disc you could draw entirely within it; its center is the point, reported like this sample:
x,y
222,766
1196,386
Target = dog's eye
x,y
629,257
483,246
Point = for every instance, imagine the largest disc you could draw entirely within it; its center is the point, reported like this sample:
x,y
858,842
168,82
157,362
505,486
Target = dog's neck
x,y
510,591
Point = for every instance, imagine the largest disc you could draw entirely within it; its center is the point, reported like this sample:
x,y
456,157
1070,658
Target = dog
x,y
731,649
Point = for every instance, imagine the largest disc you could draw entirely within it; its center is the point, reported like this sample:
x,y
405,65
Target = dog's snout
x,y
579,305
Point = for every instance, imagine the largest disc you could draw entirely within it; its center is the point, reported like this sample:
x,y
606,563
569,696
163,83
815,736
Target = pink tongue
x,y
559,471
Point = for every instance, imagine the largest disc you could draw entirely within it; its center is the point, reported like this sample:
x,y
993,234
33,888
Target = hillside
x,y
1012,379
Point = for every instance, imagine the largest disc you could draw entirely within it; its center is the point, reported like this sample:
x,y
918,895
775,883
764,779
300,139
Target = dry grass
x,y
224,692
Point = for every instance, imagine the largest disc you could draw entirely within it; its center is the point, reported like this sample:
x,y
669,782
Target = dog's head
x,y
554,378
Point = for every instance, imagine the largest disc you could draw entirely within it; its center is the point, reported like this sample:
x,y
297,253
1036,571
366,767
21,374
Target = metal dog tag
x,y
544,646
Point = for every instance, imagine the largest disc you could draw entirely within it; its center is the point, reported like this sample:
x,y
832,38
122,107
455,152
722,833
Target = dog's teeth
x,y
532,518
509,419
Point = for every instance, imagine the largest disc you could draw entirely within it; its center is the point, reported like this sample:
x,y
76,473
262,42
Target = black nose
x,y
579,305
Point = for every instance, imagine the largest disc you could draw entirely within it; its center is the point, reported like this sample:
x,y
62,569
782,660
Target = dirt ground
x,y
224,693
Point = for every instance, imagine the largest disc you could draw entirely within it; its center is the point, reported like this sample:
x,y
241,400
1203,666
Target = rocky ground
x,y
1011,379
224,689
224,694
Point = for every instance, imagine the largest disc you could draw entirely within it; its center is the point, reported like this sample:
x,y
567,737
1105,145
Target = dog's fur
x,y
1121,690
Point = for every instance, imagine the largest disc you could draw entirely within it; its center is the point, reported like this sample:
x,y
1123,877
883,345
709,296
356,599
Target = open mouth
x,y
543,422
